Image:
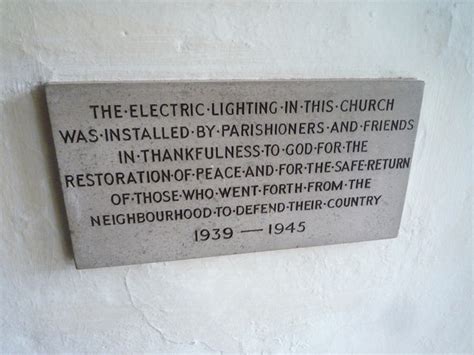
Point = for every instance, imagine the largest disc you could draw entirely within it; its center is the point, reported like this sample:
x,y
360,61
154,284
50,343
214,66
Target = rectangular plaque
x,y
155,171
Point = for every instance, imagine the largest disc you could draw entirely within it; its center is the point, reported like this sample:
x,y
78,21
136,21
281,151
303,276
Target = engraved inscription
x,y
158,171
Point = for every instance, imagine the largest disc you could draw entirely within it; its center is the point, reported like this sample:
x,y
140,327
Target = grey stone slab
x,y
155,171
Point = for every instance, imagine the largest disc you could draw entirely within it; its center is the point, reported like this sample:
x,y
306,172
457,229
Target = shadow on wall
x,y
32,175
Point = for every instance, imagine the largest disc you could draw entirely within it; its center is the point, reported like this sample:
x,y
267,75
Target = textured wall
x,y
413,293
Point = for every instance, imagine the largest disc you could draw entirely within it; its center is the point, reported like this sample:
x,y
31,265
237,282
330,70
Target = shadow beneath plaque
x,y
38,97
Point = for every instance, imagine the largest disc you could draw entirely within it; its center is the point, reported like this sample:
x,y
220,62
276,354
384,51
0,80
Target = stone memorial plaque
x,y
155,171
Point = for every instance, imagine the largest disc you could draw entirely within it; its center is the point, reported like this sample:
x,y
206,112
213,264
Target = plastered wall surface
x,y
410,294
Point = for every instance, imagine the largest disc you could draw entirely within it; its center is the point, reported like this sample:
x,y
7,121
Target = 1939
x,y
202,235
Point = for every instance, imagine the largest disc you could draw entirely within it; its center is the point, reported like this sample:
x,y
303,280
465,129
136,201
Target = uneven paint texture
x,y
413,293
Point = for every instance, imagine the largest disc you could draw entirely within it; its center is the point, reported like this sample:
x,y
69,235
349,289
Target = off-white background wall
x,y
413,293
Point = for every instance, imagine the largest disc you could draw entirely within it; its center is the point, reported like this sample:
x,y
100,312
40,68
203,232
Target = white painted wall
x,y
413,293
